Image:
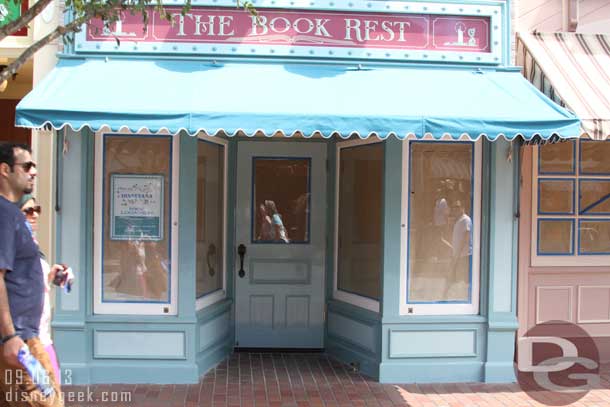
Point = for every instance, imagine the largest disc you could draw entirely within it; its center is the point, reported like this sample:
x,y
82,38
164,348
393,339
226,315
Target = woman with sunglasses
x,y
32,210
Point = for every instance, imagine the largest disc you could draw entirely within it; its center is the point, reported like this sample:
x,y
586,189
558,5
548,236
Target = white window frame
x,y
211,298
131,308
350,298
566,260
471,308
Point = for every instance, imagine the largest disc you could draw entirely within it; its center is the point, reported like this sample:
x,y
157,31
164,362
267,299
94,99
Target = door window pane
x,y
594,157
594,237
555,236
594,197
136,216
359,230
440,222
210,217
557,158
281,199
556,196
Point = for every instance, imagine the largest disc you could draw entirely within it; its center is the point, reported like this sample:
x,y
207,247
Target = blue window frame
x,y
419,254
599,203
135,252
594,237
553,228
572,190
558,159
557,186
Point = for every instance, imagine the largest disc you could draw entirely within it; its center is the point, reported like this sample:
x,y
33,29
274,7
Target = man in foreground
x,y
21,285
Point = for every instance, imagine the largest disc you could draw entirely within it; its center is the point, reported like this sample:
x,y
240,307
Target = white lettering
x,y
204,27
260,23
308,25
225,21
320,29
402,25
352,24
368,27
275,25
387,27
181,22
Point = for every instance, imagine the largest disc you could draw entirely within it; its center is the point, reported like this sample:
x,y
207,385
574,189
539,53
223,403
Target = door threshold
x,y
278,350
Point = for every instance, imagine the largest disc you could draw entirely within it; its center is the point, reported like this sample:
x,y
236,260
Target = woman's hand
x,y
53,272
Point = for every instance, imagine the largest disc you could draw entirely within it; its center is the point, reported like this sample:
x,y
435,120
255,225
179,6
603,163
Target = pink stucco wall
x,y
574,294
547,16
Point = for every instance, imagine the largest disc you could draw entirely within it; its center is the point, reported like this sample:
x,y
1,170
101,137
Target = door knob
x,y
241,250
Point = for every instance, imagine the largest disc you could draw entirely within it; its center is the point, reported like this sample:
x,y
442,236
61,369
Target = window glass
x,y
559,194
594,197
440,222
556,196
210,217
594,157
281,200
557,158
555,236
136,218
594,237
359,229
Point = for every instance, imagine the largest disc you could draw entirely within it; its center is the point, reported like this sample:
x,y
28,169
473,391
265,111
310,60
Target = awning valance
x,y
292,99
574,70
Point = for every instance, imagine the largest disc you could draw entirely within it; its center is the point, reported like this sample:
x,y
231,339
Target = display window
x,y
358,239
135,237
211,220
441,227
571,204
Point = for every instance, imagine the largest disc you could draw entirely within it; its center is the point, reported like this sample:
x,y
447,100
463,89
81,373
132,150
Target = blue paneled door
x,y
280,231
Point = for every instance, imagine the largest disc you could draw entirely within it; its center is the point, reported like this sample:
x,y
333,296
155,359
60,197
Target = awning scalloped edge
x,y
47,125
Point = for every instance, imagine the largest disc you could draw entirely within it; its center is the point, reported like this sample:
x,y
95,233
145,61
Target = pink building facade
x,y
564,225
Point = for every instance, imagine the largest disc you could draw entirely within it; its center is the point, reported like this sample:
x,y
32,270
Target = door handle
x,y
241,250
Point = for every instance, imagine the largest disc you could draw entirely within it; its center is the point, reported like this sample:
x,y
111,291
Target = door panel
x,y
280,218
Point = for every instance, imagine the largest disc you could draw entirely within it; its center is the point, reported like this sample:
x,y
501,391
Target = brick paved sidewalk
x,y
292,379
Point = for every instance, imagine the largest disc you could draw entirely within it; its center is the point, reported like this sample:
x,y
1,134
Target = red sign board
x,y
304,28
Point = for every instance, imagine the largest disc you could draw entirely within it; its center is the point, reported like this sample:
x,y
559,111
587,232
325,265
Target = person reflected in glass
x,y
279,230
299,211
461,244
156,270
440,222
266,230
131,279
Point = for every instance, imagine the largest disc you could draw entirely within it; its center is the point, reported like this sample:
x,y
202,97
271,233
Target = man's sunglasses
x,y
27,166
30,211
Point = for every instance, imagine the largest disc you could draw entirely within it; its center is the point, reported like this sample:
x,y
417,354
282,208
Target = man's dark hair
x,y
7,151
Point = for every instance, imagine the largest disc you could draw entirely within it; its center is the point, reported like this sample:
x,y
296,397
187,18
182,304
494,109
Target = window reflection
x,y
210,217
136,247
440,222
359,234
281,199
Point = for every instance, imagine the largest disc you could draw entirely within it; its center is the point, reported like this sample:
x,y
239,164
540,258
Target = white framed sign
x,y
465,32
136,207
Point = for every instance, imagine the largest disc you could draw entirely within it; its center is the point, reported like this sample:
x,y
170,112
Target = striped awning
x,y
573,70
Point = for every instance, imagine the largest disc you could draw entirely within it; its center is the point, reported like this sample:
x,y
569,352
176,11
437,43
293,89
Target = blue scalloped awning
x,y
287,98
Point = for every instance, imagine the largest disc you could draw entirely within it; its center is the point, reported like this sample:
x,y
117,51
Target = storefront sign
x,y
454,32
10,11
136,210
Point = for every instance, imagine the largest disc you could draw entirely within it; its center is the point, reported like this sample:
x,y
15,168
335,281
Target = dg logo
x,y
557,363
